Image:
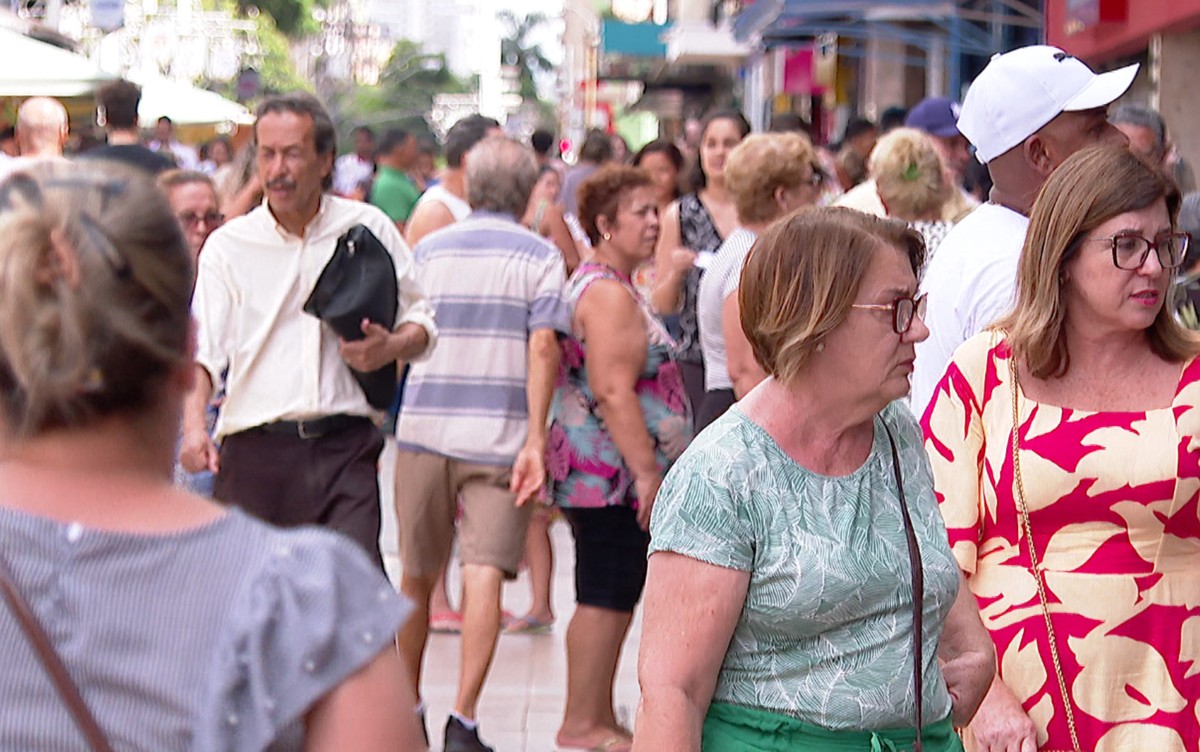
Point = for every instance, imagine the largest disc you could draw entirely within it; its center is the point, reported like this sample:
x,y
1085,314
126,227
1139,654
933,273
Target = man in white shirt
x,y
164,142
299,440
351,170
1025,114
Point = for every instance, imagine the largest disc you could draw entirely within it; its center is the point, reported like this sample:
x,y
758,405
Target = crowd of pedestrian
x,y
914,470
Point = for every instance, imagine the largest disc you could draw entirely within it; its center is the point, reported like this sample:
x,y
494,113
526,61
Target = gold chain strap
x,y
1035,567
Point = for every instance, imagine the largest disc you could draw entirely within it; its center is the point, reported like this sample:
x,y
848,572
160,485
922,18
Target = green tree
x,y
517,50
404,96
294,18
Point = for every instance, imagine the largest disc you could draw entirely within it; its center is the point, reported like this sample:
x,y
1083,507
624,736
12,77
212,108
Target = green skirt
x,y
731,728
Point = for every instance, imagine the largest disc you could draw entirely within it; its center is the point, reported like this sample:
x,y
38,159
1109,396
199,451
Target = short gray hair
x,y
501,173
1143,117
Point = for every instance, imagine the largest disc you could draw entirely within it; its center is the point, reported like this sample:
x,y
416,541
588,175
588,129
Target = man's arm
x,y
529,469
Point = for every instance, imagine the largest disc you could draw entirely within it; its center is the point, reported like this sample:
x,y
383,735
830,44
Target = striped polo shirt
x,y
491,282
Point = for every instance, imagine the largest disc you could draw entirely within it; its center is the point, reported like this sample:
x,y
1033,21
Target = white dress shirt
x,y
971,282
283,364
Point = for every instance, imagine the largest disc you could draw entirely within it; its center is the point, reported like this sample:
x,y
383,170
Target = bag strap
x,y
1034,566
918,588
52,663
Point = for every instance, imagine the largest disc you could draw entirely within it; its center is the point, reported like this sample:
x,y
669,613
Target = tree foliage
x,y
404,96
517,50
294,18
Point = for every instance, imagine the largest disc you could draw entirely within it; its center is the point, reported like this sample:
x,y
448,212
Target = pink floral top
x,y
586,469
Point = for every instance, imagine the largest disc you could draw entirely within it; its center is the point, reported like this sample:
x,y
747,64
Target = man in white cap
x,y
1025,114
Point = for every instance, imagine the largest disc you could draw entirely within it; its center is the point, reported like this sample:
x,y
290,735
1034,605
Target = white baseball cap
x,y
1020,91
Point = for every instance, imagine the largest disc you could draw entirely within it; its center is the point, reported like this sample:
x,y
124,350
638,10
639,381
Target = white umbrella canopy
x,y
29,68
187,105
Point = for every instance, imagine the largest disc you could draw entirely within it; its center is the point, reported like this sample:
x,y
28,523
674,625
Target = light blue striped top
x,y
492,282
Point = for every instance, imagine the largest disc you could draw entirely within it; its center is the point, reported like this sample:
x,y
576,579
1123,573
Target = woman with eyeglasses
x,y
181,624
193,200
768,175
801,594
1079,529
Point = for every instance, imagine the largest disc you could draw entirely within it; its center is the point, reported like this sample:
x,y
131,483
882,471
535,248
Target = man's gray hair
x,y
501,173
1143,117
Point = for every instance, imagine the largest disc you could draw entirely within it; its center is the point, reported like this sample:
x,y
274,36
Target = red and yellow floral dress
x,y
1114,505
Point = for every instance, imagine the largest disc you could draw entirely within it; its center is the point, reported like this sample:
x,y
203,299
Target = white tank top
x,y
459,209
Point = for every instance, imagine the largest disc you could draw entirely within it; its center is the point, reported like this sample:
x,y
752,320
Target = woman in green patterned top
x,y
779,604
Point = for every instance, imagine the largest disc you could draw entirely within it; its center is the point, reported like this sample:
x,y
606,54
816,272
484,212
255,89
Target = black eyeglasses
x,y
1130,251
903,310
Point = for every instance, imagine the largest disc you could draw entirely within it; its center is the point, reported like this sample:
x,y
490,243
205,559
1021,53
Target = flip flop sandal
x,y
529,625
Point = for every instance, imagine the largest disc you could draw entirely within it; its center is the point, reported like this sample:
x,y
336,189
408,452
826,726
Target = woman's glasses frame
x,y
1173,244
904,309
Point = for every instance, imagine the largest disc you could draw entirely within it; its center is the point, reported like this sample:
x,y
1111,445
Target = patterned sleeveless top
x,y
586,469
698,232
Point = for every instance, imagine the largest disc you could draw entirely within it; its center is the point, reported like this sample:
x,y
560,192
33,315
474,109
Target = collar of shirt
x,y
313,224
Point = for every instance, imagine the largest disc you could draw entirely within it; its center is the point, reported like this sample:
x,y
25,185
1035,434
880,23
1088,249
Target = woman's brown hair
x,y
802,276
1091,187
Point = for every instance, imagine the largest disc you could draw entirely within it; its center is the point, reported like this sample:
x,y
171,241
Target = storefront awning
x,y
914,22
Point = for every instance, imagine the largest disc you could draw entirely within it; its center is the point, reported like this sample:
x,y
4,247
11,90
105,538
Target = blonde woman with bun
x,y
913,183
183,624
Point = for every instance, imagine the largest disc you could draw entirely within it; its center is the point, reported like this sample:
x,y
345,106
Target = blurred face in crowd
x,y
195,204
865,346
288,164
863,143
1141,141
1095,290
955,153
634,229
425,165
220,154
663,173
364,145
1071,131
719,139
546,188
163,131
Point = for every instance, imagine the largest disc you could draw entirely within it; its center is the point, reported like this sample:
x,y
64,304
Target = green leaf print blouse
x,y
825,635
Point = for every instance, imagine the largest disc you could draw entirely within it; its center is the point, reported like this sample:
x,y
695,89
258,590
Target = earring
x,y
606,236
820,347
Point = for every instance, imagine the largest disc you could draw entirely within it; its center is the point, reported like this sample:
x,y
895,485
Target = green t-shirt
x,y
394,192
825,635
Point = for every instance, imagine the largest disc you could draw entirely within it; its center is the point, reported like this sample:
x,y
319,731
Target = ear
x,y
604,225
58,262
780,196
327,164
1037,155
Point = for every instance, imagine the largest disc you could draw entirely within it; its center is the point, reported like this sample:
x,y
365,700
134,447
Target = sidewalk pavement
x,y
523,698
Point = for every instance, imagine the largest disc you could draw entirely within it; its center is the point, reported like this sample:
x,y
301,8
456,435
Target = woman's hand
x,y
1002,725
647,489
680,261
967,654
